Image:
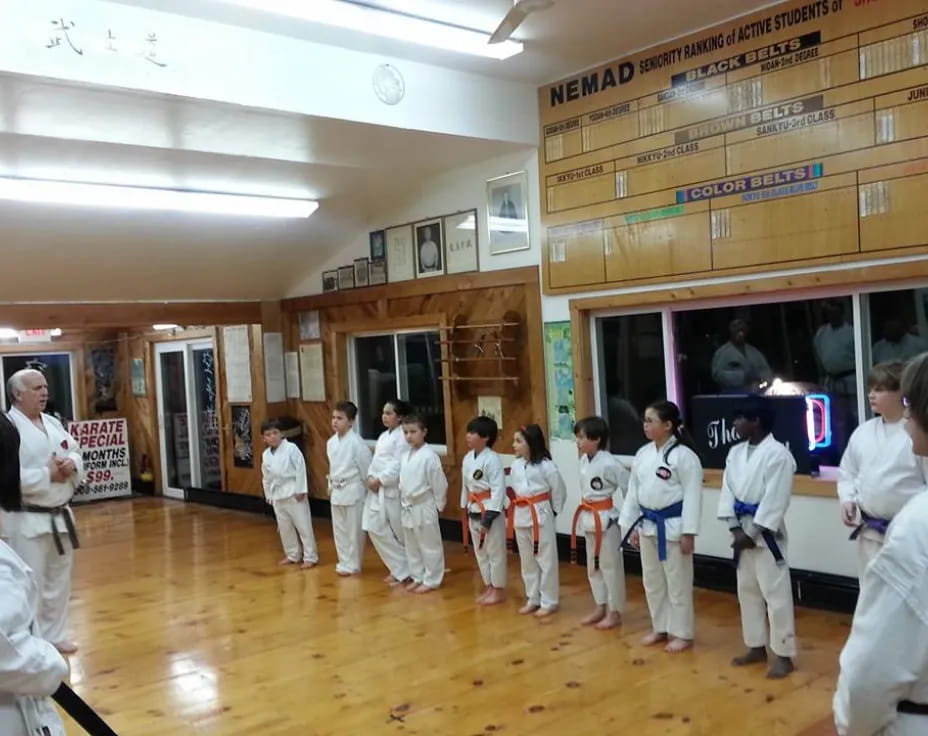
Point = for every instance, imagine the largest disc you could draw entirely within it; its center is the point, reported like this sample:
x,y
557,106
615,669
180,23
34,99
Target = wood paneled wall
x,y
471,298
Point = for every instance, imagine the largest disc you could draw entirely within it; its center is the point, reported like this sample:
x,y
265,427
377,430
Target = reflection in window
x,y
803,347
897,324
404,366
632,375
56,367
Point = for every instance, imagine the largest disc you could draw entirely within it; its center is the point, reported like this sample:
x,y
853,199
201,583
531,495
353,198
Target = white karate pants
x,y
388,539
349,537
608,582
295,526
425,553
765,595
491,559
668,587
540,573
53,580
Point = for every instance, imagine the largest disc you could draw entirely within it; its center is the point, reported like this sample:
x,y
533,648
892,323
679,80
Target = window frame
x,y
353,388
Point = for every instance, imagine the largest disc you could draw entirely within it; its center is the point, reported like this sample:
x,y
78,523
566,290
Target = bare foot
x,y
307,565
66,647
655,637
781,667
675,645
344,573
494,597
610,621
528,608
753,655
424,588
390,579
286,561
545,612
595,617
412,585
484,594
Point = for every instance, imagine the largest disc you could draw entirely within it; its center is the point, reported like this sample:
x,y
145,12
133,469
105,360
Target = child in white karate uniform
x,y
539,495
665,498
283,475
349,460
483,500
603,480
879,473
423,494
756,489
382,513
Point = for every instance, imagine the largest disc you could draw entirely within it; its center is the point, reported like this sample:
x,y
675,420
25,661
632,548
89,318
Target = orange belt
x,y
477,498
595,507
524,501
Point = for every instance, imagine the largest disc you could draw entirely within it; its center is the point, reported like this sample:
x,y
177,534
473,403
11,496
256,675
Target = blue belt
x,y
870,522
658,516
750,509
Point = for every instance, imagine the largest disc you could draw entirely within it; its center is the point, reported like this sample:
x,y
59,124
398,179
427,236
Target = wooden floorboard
x,y
187,626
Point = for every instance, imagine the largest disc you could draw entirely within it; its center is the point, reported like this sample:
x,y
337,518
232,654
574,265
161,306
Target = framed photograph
x,y
345,277
461,250
400,266
378,245
310,328
329,281
242,448
430,251
138,377
378,272
507,213
361,271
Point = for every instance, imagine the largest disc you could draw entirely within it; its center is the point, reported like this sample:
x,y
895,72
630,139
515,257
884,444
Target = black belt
x,y
86,717
912,709
54,511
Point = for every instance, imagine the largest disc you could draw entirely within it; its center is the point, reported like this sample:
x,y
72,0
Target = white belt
x,y
339,483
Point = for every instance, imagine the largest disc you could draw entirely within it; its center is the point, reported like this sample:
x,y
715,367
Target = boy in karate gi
x,y
483,498
756,489
283,475
423,494
349,460
879,473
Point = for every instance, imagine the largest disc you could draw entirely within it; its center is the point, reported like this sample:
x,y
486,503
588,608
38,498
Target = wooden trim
x,y
581,344
803,485
535,341
434,320
768,285
128,314
416,287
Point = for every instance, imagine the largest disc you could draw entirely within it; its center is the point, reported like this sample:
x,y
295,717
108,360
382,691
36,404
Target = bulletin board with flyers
x,y
794,136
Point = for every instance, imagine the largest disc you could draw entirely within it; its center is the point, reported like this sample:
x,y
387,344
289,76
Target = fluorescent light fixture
x,y
388,24
8,333
141,198
165,328
56,332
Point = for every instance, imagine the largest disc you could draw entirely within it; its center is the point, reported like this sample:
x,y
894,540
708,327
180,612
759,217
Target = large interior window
x,y
56,367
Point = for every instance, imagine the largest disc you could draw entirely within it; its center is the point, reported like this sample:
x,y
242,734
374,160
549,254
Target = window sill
x,y
824,486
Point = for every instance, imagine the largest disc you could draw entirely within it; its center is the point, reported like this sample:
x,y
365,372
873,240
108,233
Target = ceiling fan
x,y
519,12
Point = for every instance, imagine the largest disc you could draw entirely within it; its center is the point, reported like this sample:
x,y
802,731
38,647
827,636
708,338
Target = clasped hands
x,y
60,468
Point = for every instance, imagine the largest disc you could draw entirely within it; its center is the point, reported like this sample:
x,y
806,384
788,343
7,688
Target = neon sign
x,y
818,420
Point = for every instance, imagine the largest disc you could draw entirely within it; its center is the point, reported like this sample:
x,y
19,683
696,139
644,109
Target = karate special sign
x,y
105,449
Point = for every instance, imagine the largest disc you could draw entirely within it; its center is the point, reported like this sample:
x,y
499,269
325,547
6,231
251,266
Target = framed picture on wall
x,y
507,213
461,252
378,272
345,277
242,448
378,245
430,251
361,271
138,377
400,265
329,281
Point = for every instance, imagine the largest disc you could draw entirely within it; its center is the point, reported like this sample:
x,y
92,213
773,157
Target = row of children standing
x,y
396,495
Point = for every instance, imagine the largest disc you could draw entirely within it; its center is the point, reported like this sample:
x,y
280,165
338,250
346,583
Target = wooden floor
x,y
187,626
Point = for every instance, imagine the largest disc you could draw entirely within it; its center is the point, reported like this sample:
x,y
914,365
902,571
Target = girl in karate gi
x,y
603,480
665,498
539,495
283,475
883,685
382,516
423,494
756,489
879,473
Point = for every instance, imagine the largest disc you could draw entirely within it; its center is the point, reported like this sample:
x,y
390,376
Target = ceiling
x,y
51,129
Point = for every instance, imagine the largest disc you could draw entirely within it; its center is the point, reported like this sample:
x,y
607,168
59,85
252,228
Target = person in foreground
x,y
883,681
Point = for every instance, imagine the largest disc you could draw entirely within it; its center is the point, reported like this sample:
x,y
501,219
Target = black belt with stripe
x,y
912,709
54,511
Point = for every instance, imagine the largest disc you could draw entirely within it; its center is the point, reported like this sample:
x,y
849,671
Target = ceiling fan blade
x,y
512,21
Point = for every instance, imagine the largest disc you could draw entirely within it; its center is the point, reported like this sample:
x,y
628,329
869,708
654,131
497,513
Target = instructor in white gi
x,y
43,533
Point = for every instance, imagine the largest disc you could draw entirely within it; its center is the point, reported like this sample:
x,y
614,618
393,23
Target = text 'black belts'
x,y
52,512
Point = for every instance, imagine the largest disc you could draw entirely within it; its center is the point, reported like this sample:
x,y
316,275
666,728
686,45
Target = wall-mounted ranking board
x,y
793,136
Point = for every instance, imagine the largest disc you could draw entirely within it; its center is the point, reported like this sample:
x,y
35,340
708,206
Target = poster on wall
x,y
292,361
274,381
559,367
492,407
105,451
242,449
237,356
103,362
312,372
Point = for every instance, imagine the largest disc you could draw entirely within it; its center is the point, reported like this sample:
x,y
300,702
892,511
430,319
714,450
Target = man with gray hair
x,y
50,471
